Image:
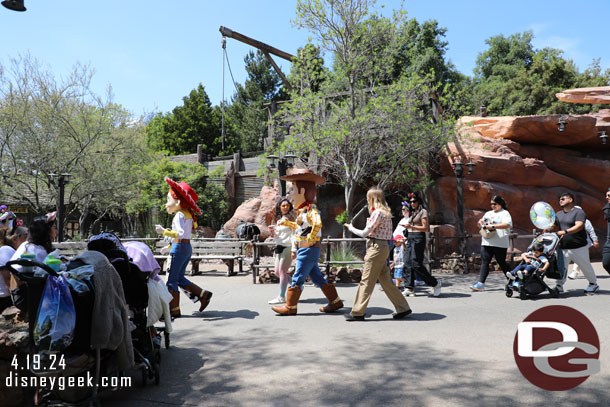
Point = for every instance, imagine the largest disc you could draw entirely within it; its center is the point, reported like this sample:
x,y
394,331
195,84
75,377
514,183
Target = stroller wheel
x,y
166,336
522,295
509,293
554,293
157,374
144,375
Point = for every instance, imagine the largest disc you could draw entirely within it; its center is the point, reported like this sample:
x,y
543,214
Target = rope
x,y
235,85
224,47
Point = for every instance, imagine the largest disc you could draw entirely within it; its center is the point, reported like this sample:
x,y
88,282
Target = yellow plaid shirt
x,y
307,216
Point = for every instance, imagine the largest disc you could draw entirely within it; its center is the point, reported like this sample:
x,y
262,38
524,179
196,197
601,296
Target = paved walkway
x,y
455,350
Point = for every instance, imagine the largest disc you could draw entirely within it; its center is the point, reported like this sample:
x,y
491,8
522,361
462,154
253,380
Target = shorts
x,y
398,273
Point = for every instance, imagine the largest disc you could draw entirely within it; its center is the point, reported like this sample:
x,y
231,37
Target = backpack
x,y
246,230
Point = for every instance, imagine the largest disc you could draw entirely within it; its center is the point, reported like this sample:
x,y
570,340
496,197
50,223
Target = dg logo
x,y
556,348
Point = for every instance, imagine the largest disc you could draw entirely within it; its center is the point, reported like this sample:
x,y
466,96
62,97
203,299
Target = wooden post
x,y
327,257
238,162
466,237
201,156
512,248
254,259
436,244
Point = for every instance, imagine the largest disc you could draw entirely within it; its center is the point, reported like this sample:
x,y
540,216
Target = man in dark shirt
x,y
571,222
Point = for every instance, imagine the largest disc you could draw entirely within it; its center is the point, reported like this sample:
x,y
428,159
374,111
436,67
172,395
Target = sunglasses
x,y
562,199
413,202
492,203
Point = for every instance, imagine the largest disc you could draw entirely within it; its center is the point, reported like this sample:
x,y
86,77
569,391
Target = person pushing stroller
x,y
533,261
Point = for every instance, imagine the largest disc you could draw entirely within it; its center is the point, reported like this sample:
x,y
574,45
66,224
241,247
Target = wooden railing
x,y
434,244
432,255
327,263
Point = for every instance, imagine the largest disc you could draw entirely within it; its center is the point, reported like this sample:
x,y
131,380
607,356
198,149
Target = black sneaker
x,y
350,317
401,315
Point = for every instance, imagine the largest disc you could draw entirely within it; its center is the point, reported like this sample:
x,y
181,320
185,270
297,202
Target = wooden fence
x,y
433,250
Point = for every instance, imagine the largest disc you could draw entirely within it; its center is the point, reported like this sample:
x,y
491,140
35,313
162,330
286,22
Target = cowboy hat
x,y
186,193
303,174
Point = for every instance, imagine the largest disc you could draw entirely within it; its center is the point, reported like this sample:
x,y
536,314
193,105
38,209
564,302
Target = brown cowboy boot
x,y
197,294
334,302
292,298
174,304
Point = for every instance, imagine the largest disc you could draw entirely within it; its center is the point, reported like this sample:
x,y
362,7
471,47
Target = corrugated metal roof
x,y
247,187
250,164
187,158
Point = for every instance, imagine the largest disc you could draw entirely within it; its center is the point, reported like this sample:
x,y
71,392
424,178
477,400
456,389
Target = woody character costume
x,y
181,201
308,226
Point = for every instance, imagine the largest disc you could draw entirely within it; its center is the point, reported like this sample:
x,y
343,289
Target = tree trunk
x,y
349,205
81,224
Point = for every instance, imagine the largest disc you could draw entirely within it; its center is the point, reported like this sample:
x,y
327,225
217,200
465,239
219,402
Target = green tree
x,y
152,190
60,126
367,134
246,116
514,78
308,71
195,122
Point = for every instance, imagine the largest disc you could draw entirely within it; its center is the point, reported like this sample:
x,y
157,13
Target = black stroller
x,y
77,361
146,339
533,283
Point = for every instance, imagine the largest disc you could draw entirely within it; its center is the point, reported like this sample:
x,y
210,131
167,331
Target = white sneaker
x,y
278,300
593,287
437,288
520,274
510,275
573,275
409,292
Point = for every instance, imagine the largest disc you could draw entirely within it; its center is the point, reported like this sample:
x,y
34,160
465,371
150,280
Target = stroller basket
x,y
28,297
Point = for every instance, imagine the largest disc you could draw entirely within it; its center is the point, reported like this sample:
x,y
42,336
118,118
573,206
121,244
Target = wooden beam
x,y
227,32
278,70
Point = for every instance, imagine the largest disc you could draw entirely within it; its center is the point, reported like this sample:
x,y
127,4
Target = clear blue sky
x,y
154,52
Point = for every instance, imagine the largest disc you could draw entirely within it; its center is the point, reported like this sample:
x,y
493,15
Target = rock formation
x,y
586,95
525,160
259,210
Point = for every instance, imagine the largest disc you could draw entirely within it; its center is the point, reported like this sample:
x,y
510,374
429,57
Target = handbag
x,y
485,232
279,249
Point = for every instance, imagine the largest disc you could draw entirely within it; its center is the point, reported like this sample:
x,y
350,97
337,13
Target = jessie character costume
x,y
308,228
181,201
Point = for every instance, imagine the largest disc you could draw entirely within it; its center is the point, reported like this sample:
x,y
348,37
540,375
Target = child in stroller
x,y
537,263
532,261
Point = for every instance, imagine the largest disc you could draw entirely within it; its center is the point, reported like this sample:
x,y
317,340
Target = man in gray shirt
x,y
571,222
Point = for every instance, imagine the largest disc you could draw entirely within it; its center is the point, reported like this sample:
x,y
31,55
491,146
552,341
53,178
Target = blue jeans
x,y
307,266
181,254
527,267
